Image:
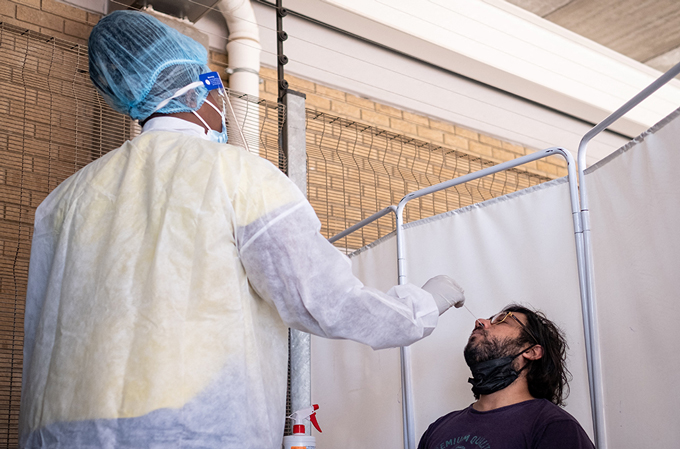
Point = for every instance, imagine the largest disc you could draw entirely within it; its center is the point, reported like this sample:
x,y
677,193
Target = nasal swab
x,y
473,315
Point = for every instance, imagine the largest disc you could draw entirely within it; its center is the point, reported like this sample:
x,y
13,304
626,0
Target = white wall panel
x,y
336,60
359,390
507,47
519,248
635,218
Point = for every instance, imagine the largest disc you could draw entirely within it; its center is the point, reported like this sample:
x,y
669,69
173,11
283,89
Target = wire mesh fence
x,y
355,170
52,123
255,124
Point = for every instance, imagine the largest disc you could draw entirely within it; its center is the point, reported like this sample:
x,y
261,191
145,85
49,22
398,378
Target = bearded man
x,y
520,380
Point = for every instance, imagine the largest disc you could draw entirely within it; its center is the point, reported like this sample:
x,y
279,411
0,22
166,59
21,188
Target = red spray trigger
x,y
299,417
312,418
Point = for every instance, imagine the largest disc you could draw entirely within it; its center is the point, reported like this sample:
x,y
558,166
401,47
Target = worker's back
x,y
139,314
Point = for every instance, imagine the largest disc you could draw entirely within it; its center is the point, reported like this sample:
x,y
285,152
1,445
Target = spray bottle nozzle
x,y
299,417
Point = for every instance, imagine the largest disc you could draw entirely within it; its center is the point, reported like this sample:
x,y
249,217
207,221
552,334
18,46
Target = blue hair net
x,y
136,62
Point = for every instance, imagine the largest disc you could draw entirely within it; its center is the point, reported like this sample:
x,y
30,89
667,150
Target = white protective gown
x,y
162,280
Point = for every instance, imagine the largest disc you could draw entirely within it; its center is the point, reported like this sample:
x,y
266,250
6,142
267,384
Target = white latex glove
x,y
446,292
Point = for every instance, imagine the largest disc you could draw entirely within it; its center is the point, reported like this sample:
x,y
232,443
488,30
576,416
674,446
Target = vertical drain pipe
x,y
243,51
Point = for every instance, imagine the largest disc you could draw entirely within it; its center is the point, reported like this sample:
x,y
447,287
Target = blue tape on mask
x,y
211,80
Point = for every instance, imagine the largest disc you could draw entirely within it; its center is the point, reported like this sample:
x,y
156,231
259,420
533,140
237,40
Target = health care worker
x,y
164,275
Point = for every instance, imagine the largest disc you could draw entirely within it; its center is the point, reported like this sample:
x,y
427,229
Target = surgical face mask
x,y
494,375
215,136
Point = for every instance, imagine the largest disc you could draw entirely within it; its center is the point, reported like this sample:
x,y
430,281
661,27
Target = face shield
x,y
213,83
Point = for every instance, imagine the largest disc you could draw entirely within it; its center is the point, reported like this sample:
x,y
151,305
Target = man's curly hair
x,y
548,377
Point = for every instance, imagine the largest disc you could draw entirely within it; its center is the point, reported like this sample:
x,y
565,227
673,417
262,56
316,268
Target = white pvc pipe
x,y
243,50
243,46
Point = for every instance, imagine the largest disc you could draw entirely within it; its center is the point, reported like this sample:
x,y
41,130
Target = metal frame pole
x,y
597,394
300,343
363,223
408,415
407,389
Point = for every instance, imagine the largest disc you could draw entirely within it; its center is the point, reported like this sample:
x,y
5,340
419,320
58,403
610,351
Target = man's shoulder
x,y
450,416
547,411
555,427
539,413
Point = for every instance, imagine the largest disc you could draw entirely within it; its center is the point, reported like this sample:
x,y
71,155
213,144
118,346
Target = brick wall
x,y
450,135
49,17
47,131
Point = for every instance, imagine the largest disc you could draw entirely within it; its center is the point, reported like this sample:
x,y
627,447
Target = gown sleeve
x,y
310,282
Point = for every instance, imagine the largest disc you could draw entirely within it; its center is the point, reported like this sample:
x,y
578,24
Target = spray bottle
x,y
299,439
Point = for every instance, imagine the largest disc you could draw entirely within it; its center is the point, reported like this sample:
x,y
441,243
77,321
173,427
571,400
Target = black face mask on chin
x,y
494,375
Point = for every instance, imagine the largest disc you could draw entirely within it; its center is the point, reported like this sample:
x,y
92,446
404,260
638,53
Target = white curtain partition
x,y
635,229
518,248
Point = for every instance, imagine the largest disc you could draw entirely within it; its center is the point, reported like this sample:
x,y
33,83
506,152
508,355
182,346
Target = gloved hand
x,y
446,292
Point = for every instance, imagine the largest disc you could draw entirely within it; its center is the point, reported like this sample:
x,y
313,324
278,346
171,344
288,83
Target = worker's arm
x,y
292,266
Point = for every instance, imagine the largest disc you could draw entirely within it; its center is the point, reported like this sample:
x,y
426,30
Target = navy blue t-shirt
x,y
533,424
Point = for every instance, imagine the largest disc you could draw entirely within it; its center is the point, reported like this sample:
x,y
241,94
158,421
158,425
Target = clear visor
x,y
213,83
234,128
